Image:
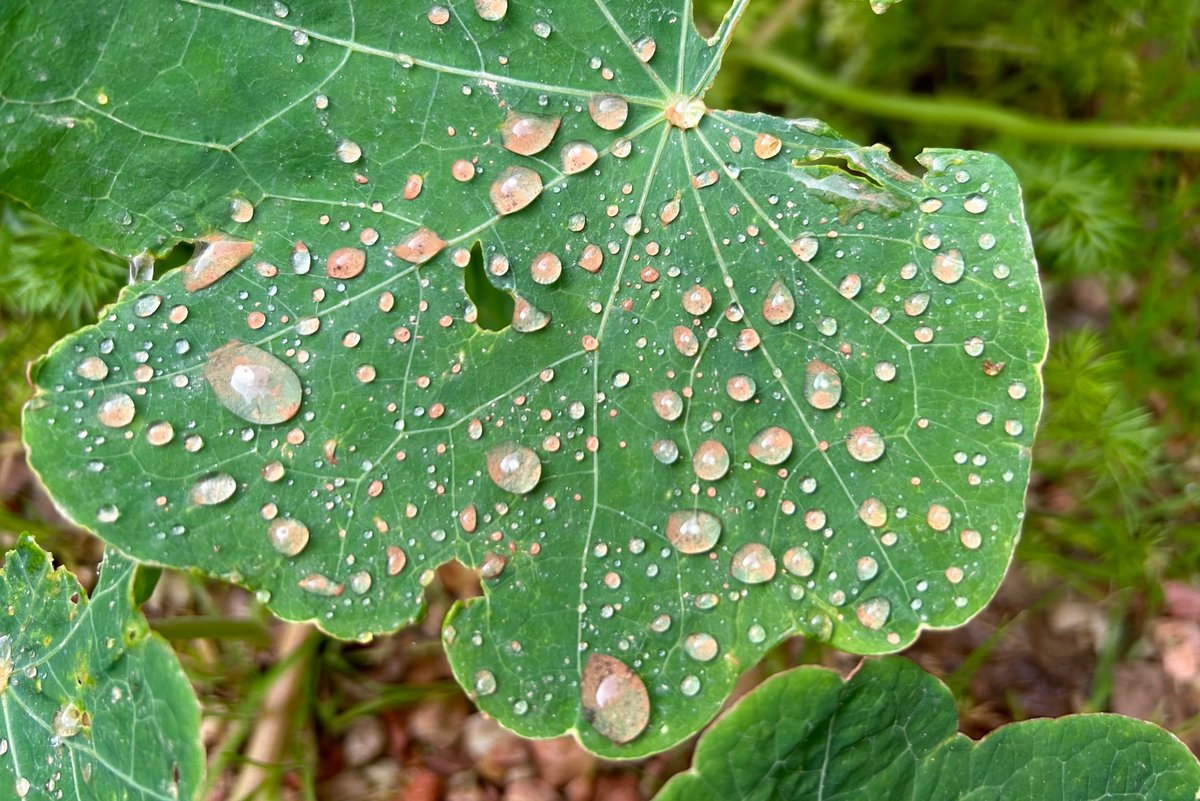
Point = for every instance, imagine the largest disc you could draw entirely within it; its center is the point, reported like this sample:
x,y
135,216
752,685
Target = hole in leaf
x,y
841,165
493,306
175,257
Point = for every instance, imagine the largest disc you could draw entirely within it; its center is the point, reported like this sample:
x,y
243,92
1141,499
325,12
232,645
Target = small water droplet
x,y
668,404
866,568
665,451
644,48
975,204
347,151
938,517
527,318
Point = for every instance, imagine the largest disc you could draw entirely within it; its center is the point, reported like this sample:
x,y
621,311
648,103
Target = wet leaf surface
x,y
760,380
92,706
889,732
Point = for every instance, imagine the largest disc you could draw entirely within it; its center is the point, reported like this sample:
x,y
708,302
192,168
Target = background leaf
x,y
92,705
760,380
889,732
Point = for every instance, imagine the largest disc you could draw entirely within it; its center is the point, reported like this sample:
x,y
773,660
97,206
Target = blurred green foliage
x,y
1116,500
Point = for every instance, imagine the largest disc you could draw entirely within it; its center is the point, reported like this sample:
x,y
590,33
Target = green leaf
x,y
671,460
889,732
92,705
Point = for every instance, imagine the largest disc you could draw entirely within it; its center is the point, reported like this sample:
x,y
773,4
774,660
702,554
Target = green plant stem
x,y
967,113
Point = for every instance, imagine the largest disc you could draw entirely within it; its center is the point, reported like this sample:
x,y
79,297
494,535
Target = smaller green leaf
x,y
92,705
888,733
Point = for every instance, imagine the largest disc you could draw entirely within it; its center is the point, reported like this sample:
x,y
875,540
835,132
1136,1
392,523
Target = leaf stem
x,y
967,113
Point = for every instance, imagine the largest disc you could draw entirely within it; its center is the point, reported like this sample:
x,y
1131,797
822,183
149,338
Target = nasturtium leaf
x,y
760,380
889,732
92,705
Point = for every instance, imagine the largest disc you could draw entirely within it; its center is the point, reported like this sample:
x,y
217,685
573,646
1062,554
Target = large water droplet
x,y
701,647
608,111
420,246
805,247
288,536
799,562
253,384
491,10
347,151
614,698
874,612
873,512
711,460
578,156
514,468
668,404
546,269
515,189
948,267
93,368
528,318
753,563
528,134
865,444
218,257
822,385
779,305
645,48
345,263
771,446
693,532
116,411
67,721
213,489
741,387
485,682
